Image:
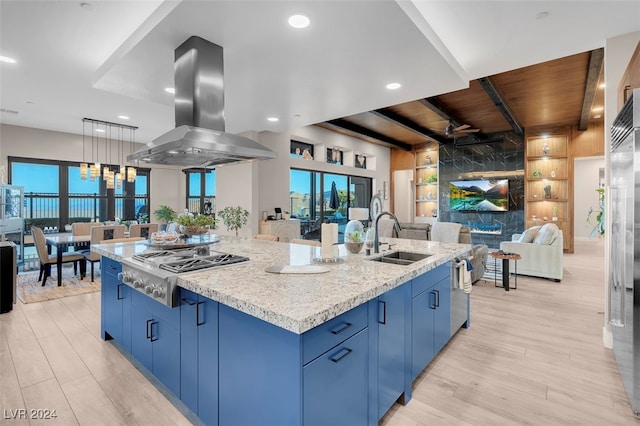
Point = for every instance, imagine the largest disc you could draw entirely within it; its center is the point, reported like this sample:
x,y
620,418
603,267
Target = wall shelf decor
x,y
547,184
426,183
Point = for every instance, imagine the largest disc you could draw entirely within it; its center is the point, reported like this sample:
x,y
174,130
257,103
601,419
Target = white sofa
x,y
538,259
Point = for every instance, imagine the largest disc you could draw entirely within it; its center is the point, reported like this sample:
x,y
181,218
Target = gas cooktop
x,y
155,273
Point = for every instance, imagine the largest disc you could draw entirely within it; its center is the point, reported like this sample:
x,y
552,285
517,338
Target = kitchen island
x,y
261,348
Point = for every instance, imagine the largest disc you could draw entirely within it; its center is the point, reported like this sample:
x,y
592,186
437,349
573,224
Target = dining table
x,y
62,244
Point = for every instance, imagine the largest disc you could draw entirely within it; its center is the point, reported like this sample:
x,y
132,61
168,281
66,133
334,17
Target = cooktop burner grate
x,y
190,265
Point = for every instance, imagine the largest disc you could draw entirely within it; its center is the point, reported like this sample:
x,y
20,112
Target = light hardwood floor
x,y
532,356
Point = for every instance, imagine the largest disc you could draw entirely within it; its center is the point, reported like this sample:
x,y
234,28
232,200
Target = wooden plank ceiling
x,y
554,93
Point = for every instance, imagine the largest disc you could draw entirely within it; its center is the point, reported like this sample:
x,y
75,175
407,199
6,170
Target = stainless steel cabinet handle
x,y
382,308
198,322
341,328
341,354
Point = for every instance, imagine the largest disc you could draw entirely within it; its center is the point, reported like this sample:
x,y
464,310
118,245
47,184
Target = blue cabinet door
x,y
155,339
111,321
207,320
188,350
336,383
422,321
141,346
391,347
165,339
199,355
442,315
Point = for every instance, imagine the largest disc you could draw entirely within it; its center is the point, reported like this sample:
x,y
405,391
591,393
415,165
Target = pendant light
x,y
94,170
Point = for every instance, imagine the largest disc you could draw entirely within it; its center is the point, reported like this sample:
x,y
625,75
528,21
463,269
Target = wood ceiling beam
x,y
355,128
501,104
404,122
434,105
595,68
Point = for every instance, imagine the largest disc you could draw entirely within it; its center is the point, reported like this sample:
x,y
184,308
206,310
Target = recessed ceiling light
x,y
273,119
394,86
171,90
123,117
7,60
542,15
299,21
86,6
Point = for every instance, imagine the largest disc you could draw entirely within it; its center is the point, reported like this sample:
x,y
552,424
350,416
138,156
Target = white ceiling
x,y
116,57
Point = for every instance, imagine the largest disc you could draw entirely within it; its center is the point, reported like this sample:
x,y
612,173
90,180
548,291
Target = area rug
x,y
30,290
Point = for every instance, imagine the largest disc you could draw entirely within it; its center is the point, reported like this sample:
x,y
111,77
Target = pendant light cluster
x,y
108,134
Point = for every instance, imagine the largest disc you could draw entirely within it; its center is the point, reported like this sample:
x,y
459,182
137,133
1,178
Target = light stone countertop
x,y
299,302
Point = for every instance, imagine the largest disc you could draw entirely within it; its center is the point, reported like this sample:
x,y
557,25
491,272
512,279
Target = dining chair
x,y
265,237
83,228
306,242
143,230
98,236
122,240
46,259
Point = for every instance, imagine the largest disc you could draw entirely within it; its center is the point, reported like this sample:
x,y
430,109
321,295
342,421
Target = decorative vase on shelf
x,y
354,236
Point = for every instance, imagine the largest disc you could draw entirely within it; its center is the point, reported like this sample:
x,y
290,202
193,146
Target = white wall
x,y
586,171
235,185
274,174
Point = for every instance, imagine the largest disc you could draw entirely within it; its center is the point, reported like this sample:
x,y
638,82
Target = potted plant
x,y
554,213
166,214
234,218
191,224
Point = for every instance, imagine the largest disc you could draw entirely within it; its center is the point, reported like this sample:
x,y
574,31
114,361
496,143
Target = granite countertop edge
x,y
298,303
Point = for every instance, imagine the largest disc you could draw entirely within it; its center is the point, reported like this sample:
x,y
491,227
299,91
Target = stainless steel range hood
x,y
199,139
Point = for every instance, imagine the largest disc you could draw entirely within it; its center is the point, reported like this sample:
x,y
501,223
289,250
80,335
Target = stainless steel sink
x,y
400,257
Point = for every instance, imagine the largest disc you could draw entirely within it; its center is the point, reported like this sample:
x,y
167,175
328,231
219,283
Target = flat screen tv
x,y
479,195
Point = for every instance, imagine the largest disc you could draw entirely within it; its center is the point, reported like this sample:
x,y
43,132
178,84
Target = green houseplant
x,y
165,213
234,218
191,224
599,225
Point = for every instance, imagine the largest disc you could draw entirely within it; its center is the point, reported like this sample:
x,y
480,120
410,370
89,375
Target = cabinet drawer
x,y
429,279
336,385
157,309
110,266
325,336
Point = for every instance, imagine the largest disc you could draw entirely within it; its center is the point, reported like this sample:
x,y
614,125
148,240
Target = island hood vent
x,y
199,139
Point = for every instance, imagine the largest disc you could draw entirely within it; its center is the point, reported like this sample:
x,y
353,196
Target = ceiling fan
x,y
451,132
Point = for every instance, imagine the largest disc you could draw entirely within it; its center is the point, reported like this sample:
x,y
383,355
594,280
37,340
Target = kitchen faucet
x,y
396,226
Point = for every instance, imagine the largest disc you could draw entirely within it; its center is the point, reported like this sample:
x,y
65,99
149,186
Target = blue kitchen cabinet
x,y
116,305
336,386
393,346
155,339
430,317
270,376
199,355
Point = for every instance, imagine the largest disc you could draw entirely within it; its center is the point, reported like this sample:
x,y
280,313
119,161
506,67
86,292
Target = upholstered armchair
x,y
541,249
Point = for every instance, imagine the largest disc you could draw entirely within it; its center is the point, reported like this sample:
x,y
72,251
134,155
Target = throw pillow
x,y
547,234
529,234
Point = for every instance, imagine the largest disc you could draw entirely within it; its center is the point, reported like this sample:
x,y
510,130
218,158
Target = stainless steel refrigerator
x,y
624,276
11,217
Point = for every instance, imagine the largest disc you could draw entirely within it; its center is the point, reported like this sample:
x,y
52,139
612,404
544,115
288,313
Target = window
x,y
201,191
312,200
55,195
